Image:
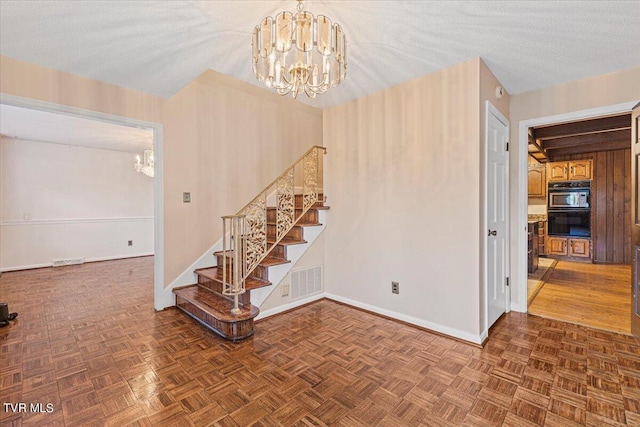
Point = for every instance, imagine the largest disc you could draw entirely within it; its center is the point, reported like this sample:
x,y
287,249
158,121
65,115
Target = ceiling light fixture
x,y
297,52
146,167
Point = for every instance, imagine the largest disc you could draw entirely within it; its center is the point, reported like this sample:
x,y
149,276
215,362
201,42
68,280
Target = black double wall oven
x,y
569,212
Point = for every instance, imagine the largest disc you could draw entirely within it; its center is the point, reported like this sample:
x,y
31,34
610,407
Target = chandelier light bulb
x,y
296,52
146,167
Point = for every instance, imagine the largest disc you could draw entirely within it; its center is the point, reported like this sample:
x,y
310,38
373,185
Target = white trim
x,y
484,335
96,259
289,306
36,104
158,181
158,223
518,307
22,222
491,109
66,144
446,330
25,267
112,257
520,276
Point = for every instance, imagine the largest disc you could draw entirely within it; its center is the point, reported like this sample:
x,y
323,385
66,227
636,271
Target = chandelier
x,y
297,52
146,167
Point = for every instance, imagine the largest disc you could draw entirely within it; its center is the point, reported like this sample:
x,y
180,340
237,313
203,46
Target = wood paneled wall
x,y
611,204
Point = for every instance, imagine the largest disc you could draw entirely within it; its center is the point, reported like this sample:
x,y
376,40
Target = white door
x,y
496,193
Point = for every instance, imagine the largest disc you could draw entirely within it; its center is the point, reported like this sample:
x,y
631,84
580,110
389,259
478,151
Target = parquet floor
x,y
88,341
595,295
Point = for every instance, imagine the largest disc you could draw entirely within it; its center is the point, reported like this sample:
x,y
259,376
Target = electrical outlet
x,y
285,289
130,243
395,287
186,197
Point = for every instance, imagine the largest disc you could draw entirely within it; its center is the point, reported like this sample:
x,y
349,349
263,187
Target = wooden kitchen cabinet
x,y
556,246
558,171
570,246
579,247
575,170
542,239
537,183
580,170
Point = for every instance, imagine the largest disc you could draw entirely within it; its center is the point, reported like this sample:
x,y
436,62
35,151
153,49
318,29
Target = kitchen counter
x,y
536,217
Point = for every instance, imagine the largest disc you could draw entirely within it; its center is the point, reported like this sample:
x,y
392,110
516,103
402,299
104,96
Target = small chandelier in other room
x,y
297,52
146,167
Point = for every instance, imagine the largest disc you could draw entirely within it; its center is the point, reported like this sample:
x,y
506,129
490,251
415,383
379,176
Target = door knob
x,y
492,232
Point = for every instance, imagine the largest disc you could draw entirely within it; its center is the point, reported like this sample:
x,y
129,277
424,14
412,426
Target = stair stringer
x,y
188,276
207,259
294,252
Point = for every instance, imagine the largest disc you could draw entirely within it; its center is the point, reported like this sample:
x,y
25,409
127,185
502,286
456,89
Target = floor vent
x,y
61,262
306,282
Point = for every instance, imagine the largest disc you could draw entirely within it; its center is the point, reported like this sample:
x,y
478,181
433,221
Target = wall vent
x,y
306,282
61,262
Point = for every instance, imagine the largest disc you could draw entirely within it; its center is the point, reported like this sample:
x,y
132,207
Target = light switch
x,y
186,197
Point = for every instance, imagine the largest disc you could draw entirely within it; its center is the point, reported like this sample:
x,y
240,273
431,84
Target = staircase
x,y
255,239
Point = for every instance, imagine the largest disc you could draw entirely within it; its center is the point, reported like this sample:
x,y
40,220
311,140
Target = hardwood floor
x,y
536,280
88,341
596,295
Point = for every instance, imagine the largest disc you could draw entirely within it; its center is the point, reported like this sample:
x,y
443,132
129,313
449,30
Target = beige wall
x,y
598,91
224,141
45,84
403,180
594,92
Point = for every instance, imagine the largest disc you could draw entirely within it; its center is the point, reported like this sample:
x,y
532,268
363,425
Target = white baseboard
x,y
519,308
95,259
289,306
110,258
25,267
446,330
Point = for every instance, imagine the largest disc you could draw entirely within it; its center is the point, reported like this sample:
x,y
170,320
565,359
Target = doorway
x,y
588,150
155,130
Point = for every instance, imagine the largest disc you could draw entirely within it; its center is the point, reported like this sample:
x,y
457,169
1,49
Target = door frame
x,y
491,109
158,181
519,232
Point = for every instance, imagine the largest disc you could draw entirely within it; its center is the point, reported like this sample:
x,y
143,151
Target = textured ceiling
x,y
33,125
160,46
